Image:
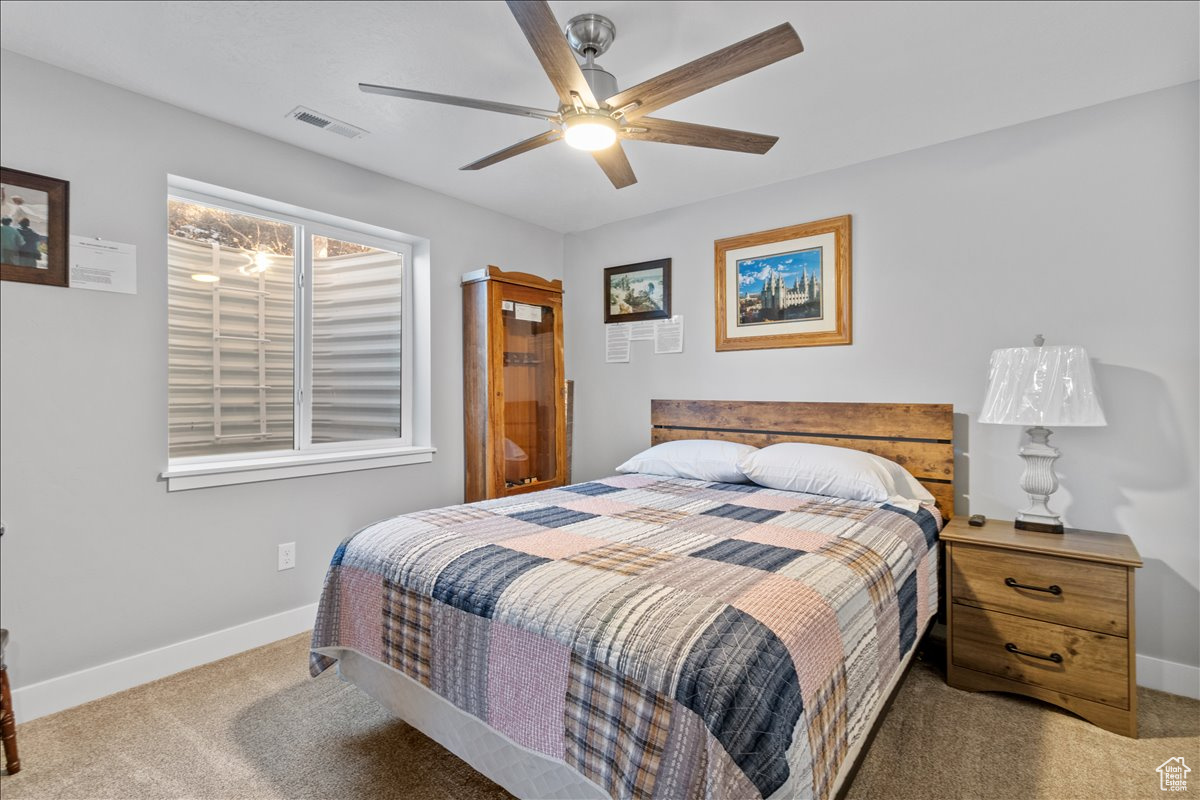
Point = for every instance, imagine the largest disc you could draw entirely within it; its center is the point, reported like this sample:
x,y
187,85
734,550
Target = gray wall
x,y
1081,226
100,562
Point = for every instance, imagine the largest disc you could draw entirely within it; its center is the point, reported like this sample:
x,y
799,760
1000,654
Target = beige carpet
x,y
256,726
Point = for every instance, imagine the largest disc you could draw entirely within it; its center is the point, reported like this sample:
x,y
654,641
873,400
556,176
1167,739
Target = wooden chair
x,y
8,726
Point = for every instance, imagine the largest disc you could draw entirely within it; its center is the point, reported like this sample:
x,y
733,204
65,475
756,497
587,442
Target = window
x,y
289,341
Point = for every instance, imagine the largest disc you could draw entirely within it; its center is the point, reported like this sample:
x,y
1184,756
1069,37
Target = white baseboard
x,y
66,691
1168,676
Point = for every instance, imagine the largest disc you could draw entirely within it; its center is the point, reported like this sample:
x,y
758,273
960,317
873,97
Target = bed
x,y
646,636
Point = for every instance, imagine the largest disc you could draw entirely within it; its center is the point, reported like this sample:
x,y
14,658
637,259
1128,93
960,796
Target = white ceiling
x,y
875,79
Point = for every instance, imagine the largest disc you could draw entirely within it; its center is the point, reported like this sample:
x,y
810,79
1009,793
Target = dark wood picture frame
x,y
57,236
834,285
636,316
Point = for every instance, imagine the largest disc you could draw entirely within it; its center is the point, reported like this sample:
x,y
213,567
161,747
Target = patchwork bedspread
x,y
667,638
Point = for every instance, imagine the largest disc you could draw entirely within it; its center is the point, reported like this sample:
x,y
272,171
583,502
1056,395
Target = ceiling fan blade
x,y
532,143
550,46
615,165
711,70
651,129
465,102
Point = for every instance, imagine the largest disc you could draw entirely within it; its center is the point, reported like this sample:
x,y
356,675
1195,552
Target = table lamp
x,y
1041,386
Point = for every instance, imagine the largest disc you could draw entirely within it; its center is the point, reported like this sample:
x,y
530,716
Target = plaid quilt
x,y
667,638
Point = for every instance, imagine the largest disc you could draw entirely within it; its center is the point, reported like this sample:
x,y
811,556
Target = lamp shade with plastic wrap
x,y
1042,386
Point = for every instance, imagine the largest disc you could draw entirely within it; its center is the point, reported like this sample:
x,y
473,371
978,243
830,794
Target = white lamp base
x,y
1039,482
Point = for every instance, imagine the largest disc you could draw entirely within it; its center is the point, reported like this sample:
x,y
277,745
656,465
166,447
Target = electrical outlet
x,y
287,556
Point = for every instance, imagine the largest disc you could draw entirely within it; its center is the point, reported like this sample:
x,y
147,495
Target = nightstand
x,y
1044,615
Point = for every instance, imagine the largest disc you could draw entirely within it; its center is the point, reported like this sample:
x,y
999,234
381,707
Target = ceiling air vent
x,y
325,122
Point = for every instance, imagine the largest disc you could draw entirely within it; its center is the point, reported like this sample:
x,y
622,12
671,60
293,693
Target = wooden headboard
x,y
918,436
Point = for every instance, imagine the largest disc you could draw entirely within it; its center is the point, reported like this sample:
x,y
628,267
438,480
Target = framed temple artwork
x,y
787,287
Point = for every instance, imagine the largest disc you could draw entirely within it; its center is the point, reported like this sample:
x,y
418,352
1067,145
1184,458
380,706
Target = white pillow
x,y
834,472
698,459
907,488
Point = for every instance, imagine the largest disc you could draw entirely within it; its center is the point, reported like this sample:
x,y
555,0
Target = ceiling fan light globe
x,y
591,133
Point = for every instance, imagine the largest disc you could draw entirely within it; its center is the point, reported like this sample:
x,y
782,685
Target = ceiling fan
x,y
592,115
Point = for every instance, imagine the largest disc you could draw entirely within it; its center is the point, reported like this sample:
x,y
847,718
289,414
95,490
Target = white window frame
x,y
304,407
306,458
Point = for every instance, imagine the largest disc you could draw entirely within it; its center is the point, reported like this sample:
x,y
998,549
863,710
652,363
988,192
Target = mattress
x,y
637,636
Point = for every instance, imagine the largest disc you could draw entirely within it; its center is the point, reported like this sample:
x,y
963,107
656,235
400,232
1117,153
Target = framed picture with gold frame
x,y
33,228
787,287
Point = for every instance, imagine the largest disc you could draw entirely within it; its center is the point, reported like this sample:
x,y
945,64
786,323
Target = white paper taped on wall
x,y
642,331
103,266
616,343
668,335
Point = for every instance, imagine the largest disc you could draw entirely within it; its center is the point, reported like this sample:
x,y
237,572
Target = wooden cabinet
x,y
1044,615
514,411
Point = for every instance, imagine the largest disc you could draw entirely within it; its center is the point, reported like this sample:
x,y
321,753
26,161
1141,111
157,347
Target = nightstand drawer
x,y
1091,665
1082,594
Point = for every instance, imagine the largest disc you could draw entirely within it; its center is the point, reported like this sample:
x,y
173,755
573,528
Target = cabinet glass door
x,y
530,392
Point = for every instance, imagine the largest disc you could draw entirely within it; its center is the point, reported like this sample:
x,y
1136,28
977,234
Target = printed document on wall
x,y
668,335
103,266
616,343
643,330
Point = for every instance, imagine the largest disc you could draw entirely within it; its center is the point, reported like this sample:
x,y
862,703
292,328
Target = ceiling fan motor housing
x,y
590,36
601,81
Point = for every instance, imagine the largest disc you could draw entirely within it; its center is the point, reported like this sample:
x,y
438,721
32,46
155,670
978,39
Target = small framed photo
x,y
33,228
637,292
787,287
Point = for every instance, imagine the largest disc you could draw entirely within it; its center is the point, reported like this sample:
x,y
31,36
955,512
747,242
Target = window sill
x,y
180,477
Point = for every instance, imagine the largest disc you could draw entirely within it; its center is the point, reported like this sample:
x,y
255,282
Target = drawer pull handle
x,y
1052,589
1012,648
